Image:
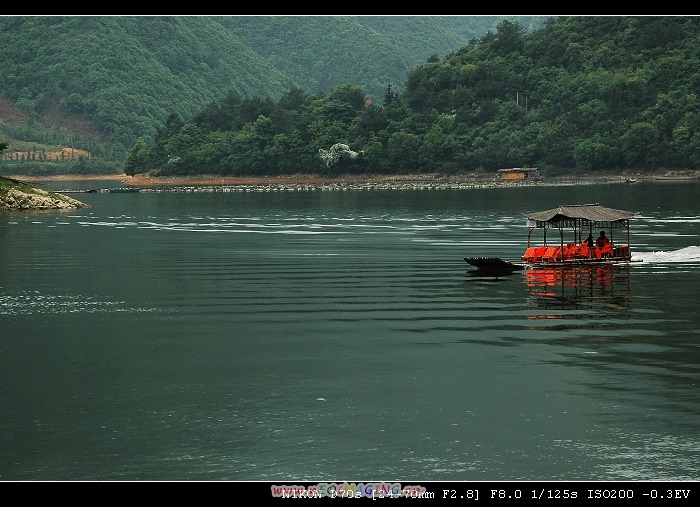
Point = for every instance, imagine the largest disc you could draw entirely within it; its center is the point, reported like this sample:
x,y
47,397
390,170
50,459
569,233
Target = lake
x,y
339,335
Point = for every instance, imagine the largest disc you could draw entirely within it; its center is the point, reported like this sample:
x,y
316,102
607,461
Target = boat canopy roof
x,y
593,213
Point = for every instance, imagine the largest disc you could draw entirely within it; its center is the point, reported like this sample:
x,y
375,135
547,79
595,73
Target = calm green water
x,y
340,336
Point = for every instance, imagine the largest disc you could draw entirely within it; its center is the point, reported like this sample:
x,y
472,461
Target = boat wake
x,y
687,254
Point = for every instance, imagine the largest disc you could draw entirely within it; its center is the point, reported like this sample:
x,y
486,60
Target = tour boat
x,y
573,226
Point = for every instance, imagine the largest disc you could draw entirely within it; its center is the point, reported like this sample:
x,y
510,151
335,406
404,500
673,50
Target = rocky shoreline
x,y
305,182
21,197
315,182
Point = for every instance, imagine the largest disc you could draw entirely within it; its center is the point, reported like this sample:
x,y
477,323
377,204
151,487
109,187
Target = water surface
x,y
341,336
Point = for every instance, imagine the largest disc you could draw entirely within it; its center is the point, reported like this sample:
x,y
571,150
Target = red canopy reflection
x,y
581,287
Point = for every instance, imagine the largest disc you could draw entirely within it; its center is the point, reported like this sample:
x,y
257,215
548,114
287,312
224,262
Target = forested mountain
x,y
102,82
581,94
368,51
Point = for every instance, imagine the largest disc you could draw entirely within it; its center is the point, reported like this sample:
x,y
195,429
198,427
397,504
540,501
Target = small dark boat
x,y
493,264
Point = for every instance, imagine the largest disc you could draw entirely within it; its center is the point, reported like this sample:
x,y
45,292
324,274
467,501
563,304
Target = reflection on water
x,y
594,287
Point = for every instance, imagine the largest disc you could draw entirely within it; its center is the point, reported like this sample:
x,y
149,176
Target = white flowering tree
x,y
338,150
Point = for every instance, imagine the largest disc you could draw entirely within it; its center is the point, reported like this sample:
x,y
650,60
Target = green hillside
x,y
320,53
123,75
99,83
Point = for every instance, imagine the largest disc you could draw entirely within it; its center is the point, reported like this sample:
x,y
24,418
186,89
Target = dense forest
x,y
581,94
99,83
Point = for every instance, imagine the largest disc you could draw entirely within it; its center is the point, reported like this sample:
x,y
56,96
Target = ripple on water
x,y
34,302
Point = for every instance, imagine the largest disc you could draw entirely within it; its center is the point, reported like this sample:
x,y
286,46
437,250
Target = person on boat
x,y
589,240
603,245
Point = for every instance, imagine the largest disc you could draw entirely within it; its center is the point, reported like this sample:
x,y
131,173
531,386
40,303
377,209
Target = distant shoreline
x,y
18,200
405,181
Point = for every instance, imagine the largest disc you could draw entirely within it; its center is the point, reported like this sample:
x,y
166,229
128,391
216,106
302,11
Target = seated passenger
x,y
604,244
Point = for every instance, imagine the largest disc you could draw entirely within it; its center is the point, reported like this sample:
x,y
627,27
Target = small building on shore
x,y
518,173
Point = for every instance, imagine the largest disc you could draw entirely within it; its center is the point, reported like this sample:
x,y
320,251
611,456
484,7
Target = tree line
x,y
581,94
